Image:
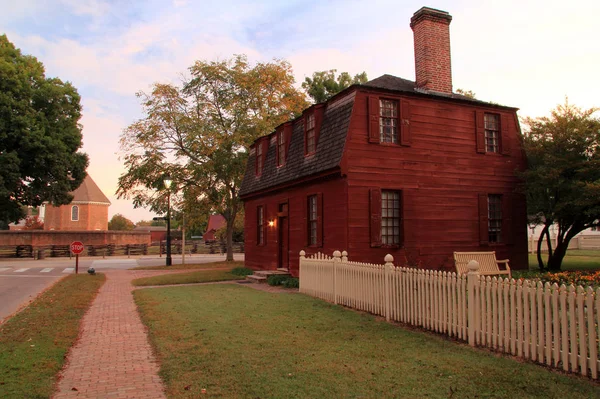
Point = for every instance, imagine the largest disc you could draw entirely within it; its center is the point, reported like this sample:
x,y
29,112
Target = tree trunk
x,y
230,224
539,247
555,261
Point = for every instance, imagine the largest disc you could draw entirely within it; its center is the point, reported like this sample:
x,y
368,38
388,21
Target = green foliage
x,y
562,182
292,282
241,271
323,85
40,135
120,222
200,134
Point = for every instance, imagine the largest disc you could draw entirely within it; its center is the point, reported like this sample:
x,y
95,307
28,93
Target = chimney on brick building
x,y
431,30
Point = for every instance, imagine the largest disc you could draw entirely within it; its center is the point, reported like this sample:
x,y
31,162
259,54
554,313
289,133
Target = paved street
x,y
22,280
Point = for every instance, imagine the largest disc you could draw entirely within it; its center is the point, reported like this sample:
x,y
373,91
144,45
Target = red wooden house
x,y
390,166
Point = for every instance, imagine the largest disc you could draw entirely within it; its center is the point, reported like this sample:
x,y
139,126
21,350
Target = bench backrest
x,y
487,261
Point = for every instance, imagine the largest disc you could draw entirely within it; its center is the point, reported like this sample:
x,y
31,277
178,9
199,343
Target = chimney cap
x,y
430,13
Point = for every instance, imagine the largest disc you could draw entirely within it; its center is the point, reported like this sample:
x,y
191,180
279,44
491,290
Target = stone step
x,y
257,279
267,273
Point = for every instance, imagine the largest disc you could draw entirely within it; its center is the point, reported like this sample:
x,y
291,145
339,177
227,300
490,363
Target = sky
x,y
526,54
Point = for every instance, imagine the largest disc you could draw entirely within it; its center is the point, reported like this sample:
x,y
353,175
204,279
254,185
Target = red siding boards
x,y
332,205
441,175
442,170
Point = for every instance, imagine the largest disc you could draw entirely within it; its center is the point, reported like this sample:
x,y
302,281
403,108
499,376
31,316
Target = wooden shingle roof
x,y
330,147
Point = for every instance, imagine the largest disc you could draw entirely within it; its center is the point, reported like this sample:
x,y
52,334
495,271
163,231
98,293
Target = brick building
x,y
88,210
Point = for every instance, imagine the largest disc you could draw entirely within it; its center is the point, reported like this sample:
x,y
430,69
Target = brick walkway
x,y
112,358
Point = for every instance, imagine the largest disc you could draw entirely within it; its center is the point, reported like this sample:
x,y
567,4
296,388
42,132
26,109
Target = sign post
x,y
77,248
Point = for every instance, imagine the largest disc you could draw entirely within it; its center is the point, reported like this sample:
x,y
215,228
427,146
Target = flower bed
x,y
583,278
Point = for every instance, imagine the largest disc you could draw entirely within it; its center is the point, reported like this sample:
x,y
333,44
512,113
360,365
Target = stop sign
x,y
77,247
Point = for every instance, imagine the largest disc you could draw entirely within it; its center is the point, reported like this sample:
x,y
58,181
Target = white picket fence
x,y
552,325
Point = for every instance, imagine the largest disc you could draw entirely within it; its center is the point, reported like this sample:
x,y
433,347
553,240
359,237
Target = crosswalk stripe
x,y
47,270
21,270
68,270
3,269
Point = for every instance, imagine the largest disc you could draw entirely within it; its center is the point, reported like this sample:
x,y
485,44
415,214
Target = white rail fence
x,y
552,325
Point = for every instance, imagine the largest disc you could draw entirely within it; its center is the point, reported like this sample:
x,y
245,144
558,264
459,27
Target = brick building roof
x,y
89,192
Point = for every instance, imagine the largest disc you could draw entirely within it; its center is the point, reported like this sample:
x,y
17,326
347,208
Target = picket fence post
x,y
337,255
472,279
387,274
344,256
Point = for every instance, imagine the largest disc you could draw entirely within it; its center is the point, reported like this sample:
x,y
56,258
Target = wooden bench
x,y
488,264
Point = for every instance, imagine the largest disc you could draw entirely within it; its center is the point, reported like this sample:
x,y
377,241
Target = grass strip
x,y
573,260
203,276
34,343
193,266
235,342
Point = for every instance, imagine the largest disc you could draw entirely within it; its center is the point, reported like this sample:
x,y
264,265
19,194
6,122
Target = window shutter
x,y
319,219
287,130
405,129
265,223
373,119
305,224
480,131
319,111
483,219
375,208
505,140
507,217
402,213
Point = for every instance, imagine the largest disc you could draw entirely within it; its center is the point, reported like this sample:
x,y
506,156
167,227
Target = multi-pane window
x,y
280,149
74,213
388,121
312,220
259,158
260,226
310,134
492,132
390,217
495,218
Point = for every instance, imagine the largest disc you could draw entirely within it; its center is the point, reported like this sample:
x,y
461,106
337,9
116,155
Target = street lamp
x,y
167,181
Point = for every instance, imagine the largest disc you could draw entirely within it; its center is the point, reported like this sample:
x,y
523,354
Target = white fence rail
x,y
552,325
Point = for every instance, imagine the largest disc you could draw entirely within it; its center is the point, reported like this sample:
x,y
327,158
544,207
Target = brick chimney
x,y
431,29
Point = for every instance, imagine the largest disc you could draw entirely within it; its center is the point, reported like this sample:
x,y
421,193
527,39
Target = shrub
x,y
292,282
286,281
241,271
276,279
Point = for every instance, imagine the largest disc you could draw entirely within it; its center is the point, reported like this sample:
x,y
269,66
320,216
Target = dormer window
x,y
281,144
310,141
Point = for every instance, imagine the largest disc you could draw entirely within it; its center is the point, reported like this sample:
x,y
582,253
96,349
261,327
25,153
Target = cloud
x,y
94,8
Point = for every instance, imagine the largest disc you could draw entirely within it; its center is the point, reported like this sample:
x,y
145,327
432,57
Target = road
x,y
22,280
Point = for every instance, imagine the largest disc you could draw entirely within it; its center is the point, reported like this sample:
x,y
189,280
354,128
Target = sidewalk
x,y
112,358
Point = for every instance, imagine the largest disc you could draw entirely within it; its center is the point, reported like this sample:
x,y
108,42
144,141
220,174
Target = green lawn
x,y
202,276
575,259
34,343
237,342
193,266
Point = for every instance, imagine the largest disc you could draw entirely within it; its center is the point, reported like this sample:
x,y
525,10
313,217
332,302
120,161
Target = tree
x,y
200,134
33,222
39,135
323,85
562,182
120,222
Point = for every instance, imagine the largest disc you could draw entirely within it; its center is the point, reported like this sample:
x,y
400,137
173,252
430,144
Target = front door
x,y
283,237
